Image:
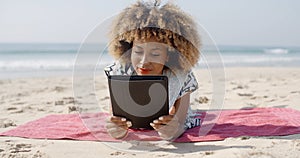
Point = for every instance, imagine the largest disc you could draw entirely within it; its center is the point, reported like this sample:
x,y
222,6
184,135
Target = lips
x,y
144,70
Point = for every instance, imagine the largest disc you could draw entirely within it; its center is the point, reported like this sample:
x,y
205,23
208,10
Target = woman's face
x,y
149,58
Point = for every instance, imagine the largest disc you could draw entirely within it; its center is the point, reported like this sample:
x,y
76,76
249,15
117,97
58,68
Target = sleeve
x,y
190,84
117,69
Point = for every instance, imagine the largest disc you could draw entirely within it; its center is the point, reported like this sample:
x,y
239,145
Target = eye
x,y
138,52
155,54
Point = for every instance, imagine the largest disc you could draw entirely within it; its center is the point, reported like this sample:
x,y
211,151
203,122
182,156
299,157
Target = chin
x,y
145,74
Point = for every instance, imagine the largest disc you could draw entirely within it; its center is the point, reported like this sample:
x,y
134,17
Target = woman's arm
x,y
180,107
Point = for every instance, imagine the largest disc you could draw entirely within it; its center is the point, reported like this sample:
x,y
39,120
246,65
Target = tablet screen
x,y
140,99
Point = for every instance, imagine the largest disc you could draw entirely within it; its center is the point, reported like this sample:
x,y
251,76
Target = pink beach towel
x,y
229,123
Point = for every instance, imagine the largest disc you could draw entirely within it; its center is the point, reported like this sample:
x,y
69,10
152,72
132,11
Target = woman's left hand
x,y
168,127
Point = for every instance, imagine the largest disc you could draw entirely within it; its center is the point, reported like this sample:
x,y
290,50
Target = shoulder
x,y
118,69
190,84
181,83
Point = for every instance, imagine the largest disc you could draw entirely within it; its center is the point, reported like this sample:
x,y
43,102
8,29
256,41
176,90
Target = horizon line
x,y
218,45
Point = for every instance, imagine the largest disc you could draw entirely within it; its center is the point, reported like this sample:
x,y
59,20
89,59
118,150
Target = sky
x,y
229,22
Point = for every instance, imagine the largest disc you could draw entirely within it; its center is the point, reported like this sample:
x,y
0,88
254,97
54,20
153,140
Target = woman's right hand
x,y
117,127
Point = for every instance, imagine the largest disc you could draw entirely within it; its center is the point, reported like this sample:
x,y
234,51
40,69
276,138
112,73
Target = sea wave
x,y
276,51
45,65
35,64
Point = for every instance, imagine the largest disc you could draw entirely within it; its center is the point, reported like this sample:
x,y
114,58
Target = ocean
x,y
39,60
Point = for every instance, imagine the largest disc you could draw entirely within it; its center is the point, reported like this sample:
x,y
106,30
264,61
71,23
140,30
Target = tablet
x,y
139,99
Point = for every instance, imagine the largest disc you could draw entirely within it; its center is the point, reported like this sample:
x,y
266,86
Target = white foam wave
x,y
44,65
254,60
35,64
276,51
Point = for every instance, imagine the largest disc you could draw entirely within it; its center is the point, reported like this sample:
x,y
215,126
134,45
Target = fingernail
x,y
161,118
129,124
123,119
151,124
155,121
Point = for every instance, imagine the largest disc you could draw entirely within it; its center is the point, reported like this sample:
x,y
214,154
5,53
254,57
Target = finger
x,y
126,124
156,126
159,124
157,121
116,123
166,118
117,119
172,110
164,127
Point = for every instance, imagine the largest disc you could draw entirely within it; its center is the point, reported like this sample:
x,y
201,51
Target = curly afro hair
x,y
165,24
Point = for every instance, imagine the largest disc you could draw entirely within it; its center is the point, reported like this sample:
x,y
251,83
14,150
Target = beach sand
x,y
28,99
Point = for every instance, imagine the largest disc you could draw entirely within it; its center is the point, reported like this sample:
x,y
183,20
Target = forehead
x,y
149,44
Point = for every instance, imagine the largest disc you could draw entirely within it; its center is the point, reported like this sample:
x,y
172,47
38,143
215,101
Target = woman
x,y
149,39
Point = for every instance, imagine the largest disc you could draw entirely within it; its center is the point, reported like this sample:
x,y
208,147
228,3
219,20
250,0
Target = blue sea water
x,y
34,60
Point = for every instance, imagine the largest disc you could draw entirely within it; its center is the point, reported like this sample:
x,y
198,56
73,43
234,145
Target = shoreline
x,y
52,73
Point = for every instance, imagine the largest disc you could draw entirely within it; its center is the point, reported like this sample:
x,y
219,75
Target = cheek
x,y
159,67
134,59
161,62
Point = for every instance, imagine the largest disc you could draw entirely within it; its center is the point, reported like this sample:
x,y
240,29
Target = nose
x,y
144,59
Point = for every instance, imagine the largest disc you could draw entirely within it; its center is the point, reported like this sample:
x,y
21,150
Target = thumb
x,y
172,110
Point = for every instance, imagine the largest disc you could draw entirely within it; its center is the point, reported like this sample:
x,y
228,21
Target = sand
x,y
27,99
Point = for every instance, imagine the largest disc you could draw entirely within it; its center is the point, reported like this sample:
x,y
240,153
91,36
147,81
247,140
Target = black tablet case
x,y
139,91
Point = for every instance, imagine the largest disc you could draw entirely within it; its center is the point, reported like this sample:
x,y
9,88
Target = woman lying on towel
x,y
153,33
